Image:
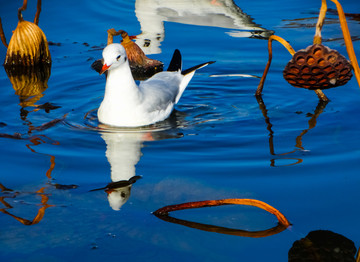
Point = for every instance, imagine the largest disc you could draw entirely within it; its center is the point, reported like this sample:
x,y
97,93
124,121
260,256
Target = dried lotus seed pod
x,y
318,67
28,46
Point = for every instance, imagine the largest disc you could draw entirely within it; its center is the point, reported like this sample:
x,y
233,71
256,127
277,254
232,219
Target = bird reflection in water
x,y
298,141
123,151
220,13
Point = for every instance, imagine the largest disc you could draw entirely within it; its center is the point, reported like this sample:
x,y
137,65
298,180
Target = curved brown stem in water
x,y
235,201
3,188
271,136
286,45
40,214
37,140
312,122
224,230
52,166
2,35
348,41
23,8
38,10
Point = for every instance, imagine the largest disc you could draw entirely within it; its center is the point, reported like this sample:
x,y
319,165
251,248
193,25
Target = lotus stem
x,y
23,8
40,214
286,45
111,33
320,23
38,11
348,41
236,201
2,35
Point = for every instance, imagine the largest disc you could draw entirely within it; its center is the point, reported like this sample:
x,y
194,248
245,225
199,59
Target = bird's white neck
x,y
121,96
120,84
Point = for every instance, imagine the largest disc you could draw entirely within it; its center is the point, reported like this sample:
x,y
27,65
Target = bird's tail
x,y
194,68
188,74
176,65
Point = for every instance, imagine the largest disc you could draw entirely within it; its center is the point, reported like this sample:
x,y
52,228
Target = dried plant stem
x,y
312,122
38,11
236,201
2,35
23,8
320,23
286,45
111,33
321,95
51,168
40,214
348,41
3,188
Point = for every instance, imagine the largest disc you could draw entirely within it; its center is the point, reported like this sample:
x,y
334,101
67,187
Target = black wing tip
x,y
175,64
191,69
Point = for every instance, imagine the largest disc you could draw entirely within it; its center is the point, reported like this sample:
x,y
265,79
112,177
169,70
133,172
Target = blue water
x,y
218,144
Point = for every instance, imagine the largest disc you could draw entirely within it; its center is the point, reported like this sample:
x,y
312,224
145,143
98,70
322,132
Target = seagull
x,y
127,104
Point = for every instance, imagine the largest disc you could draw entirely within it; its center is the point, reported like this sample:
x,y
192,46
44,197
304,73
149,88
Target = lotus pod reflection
x,y
29,83
318,67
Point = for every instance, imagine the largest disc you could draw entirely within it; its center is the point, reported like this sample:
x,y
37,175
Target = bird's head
x,y
114,55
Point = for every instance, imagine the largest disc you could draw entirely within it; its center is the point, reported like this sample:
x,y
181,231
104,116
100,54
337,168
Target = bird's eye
x,y
118,57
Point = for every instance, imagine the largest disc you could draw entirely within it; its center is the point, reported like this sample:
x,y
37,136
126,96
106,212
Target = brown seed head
x,y
317,67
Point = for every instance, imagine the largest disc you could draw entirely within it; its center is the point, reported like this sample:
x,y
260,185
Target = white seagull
x,y
126,104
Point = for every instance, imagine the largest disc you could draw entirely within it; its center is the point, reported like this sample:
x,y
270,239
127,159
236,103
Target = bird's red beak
x,y
104,68
133,37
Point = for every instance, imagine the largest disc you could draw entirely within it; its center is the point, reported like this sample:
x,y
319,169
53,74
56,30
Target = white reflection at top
x,y
217,13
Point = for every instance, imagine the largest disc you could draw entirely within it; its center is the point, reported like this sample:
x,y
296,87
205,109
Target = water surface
x,y
220,142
